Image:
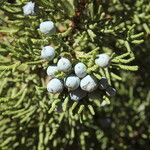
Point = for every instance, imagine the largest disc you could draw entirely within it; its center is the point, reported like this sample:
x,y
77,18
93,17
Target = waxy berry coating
x,y
80,70
72,82
28,9
89,83
48,52
102,60
51,70
47,27
55,86
64,65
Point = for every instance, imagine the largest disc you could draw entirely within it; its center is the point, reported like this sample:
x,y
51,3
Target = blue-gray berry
x,y
89,83
47,27
80,70
72,82
51,70
64,65
77,94
55,86
28,9
102,60
48,52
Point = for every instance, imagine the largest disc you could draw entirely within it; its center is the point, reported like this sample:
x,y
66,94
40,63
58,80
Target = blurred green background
x,y
124,124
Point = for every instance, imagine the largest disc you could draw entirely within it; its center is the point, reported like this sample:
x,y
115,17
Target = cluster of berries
x,y
79,83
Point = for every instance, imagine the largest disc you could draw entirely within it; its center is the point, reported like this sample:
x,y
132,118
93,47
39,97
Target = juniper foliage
x,y
33,119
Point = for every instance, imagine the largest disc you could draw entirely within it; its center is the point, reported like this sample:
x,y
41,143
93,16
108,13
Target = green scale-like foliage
x,y
31,118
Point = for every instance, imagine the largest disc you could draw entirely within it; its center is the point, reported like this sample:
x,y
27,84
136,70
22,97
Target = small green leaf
x,y
9,29
68,6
